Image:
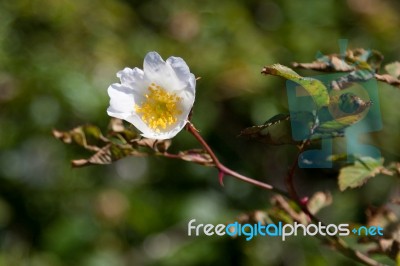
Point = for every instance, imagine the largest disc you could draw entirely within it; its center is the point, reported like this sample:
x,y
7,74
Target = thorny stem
x,y
289,181
223,170
336,241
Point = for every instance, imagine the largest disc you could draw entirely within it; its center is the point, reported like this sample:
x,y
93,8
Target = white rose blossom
x,y
156,100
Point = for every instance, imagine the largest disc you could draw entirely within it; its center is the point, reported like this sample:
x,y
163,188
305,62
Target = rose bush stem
x,y
289,182
335,241
223,170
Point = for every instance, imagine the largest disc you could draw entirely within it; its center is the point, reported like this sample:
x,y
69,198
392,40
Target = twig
x,y
336,241
289,181
223,170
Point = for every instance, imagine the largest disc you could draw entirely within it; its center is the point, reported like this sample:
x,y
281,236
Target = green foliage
x,y
330,122
358,174
344,110
334,111
314,87
363,169
57,59
275,131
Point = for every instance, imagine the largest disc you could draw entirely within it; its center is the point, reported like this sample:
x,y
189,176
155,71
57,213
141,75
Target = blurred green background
x,y
57,58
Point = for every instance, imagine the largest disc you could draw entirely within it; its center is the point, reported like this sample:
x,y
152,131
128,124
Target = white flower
x,y
156,100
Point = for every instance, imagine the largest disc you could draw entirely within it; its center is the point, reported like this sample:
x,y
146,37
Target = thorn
x,y
304,200
191,124
221,176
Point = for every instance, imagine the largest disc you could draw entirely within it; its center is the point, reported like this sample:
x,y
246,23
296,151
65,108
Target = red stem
x,y
289,181
223,170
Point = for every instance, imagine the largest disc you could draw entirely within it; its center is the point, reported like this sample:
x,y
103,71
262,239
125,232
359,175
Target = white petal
x,y
154,66
135,120
166,135
177,129
121,98
174,76
192,84
154,135
180,68
148,132
134,79
158,71
131,77
187,99
114,113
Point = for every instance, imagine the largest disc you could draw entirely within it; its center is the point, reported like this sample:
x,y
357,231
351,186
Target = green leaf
x,y
275,131
272,121
336,127
314,87
393,69
345,109
358,174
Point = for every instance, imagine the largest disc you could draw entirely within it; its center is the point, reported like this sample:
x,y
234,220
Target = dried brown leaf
x,y
280,202
388,79
119,130
254,217
318,201
119,143
108,154
116,125
87,136
336,64
197,156
382,216
355,59
154,144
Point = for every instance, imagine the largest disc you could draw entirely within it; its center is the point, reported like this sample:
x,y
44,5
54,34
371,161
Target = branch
x,y
289,182
336,241
223,170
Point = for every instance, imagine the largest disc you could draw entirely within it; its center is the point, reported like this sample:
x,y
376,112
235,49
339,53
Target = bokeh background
x,y
57,59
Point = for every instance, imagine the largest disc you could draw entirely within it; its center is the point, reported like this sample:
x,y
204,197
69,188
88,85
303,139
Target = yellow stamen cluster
x,y
160,108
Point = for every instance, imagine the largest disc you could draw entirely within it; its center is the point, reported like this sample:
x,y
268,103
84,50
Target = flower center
x,y
160,108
